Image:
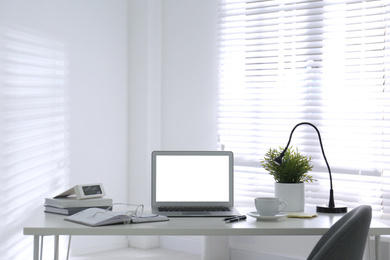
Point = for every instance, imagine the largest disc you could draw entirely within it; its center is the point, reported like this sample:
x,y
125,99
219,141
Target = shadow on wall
x,y
34,134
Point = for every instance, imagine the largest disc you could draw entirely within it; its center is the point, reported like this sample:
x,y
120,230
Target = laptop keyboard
x,y
178,209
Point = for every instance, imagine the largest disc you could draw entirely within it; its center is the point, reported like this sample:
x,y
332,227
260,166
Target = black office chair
x,y
346,239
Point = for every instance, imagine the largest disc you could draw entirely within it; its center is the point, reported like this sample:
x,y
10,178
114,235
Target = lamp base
x,y
326,209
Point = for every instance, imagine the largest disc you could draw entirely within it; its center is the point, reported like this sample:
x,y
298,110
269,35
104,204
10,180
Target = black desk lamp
x,y
330,208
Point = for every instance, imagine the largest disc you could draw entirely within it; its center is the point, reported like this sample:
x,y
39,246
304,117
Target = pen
x,y
232,217
235,218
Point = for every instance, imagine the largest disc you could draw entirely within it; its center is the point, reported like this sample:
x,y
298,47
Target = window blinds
x,y
324,62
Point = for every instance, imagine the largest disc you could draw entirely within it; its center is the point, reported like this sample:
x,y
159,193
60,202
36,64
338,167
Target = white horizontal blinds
x,y
274,89
353,99
386,119
325,62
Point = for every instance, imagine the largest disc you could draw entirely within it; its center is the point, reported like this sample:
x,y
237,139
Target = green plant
x,y
294,169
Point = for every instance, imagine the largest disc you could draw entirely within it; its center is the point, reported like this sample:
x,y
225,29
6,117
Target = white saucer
x,y
267,218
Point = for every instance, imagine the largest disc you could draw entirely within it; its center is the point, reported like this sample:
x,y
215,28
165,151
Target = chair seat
x,y
346,239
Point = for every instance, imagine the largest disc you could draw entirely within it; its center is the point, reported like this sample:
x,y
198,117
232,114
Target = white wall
x,y
97,34
189,75
189,83
173,84
92,36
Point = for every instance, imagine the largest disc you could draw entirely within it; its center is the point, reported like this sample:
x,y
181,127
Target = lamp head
x,y
279,159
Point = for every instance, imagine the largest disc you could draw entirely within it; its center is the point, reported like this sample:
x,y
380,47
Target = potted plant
x,y
289,176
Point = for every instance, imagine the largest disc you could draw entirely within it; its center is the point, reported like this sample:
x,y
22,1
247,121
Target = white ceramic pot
x,y
293,194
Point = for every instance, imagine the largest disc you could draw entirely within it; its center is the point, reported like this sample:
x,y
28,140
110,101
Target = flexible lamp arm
x,y
279,160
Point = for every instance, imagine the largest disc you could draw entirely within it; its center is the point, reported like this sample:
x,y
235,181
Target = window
x,y
324,62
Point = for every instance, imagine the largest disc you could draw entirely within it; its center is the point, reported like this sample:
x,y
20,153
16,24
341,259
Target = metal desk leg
x,y
56,239
216,248
377,247
36,247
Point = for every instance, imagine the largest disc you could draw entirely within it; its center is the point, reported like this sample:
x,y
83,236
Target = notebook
x,y
193,183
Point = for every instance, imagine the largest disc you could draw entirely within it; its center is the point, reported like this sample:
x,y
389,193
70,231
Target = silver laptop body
x,y
193,183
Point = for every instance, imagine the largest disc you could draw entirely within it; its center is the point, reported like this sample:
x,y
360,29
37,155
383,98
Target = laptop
x,y
193,183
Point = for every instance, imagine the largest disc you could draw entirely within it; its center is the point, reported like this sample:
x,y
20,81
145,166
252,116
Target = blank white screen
x,y
192,178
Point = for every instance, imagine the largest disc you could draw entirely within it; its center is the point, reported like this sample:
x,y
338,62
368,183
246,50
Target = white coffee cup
x,y
268,206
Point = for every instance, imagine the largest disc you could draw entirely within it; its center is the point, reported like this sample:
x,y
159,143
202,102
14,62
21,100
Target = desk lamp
x,y
330,208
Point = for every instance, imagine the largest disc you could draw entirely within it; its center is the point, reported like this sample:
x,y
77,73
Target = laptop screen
x,y
190,177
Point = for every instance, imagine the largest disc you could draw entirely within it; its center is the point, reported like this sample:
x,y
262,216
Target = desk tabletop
x,y
52,224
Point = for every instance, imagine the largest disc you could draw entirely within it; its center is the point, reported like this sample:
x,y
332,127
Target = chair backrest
x,y
346,239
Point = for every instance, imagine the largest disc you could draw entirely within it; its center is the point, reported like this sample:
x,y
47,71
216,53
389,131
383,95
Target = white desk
x,y
215,230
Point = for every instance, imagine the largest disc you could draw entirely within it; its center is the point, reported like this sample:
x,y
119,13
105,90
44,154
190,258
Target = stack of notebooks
x,y
71,205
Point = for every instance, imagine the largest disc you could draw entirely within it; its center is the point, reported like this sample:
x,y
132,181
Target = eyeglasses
x,y
136,210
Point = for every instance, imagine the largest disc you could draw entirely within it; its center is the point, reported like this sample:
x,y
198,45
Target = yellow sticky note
x,y
301,215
